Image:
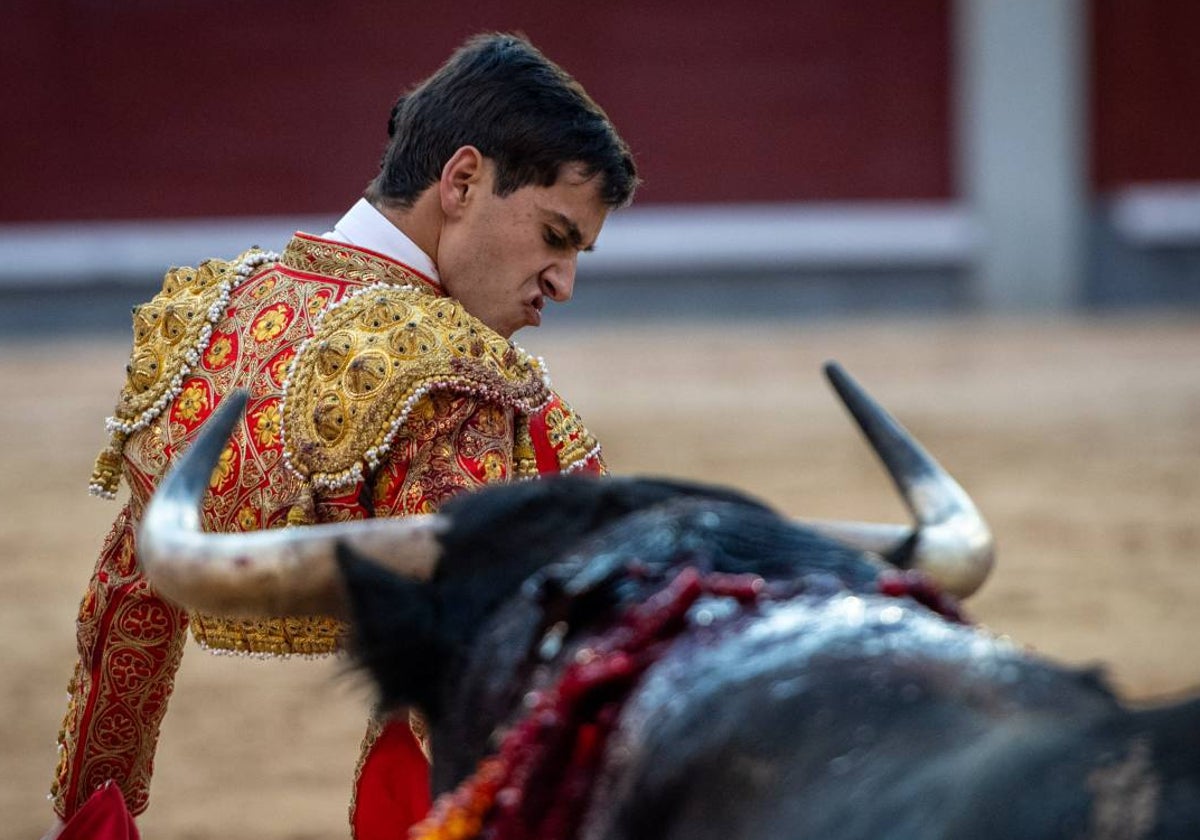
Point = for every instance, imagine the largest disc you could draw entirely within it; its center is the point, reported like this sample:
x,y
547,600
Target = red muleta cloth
x,y
103,817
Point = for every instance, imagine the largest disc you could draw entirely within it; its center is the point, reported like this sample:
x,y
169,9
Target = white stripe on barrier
x,y
1158,214
649,239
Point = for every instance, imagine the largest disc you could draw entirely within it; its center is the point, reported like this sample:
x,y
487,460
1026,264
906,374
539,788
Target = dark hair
x,y
521,110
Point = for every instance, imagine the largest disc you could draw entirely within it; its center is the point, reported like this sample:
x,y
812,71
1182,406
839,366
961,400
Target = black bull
x,y
803,690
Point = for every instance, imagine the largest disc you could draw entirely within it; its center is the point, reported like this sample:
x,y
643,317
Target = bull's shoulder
x,y
371,362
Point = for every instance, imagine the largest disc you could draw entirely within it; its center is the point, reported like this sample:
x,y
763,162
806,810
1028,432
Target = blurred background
x,y
988,210
976,155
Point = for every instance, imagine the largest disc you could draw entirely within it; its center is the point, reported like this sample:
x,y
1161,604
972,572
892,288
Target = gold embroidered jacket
x,y
371,394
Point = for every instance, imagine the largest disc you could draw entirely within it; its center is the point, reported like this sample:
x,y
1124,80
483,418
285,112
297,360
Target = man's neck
x,y
422,222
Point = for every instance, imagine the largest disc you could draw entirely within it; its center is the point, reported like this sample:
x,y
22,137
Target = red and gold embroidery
x,y
332,259
495,468
171,334
130,642
316,304
443,451
247,518
373,359
260,290
555,440
280,365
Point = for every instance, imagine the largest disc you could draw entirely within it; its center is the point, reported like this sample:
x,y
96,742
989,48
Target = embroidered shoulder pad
x,y
372,358
169,334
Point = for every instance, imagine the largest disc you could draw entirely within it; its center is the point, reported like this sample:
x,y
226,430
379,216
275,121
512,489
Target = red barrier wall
x,y
1145,91
150,109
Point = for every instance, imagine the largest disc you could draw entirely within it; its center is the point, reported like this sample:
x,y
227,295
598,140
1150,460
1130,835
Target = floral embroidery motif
x,y
223,471
316,304
129,667
494,466
265,423
192,402
247,518
444,454
109,733
560,427
270,323
279,368
573,446
220,352
170,336
263,289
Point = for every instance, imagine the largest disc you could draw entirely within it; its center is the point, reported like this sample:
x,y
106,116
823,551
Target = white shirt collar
x,y
365,227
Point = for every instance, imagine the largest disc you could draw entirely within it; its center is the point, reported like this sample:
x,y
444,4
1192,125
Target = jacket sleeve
x,y
130,642
558,442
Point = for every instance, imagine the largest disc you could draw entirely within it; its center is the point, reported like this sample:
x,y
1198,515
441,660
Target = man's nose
x,y
558,280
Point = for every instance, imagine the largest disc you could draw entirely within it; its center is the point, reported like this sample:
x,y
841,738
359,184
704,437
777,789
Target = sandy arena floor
x,y
1079,440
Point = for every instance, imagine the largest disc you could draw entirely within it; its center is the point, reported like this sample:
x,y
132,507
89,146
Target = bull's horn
x,y
278,572
951,541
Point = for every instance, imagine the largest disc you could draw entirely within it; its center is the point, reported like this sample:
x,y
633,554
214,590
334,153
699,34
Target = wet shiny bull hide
x,y
835,713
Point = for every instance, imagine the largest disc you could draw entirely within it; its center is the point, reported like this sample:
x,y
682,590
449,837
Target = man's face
x,y
502,258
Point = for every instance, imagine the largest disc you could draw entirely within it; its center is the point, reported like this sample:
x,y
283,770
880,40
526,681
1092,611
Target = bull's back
x,y
844,717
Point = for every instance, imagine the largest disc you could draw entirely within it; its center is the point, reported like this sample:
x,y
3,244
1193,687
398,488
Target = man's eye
x,y
554,239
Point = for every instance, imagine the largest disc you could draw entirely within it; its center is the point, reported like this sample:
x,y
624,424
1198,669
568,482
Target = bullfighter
x,y
383,381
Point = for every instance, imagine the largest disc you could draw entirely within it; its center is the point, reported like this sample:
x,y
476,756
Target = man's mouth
x,y
534,311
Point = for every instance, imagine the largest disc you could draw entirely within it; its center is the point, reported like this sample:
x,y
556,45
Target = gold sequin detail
x,y
165,329
370,362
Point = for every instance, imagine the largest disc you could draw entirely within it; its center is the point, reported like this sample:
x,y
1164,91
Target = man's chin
x,y
508,331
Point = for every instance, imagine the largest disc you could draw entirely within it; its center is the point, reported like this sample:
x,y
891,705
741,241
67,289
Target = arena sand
x,y
1079,440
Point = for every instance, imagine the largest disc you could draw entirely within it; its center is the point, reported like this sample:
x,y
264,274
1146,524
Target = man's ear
x,y
462,174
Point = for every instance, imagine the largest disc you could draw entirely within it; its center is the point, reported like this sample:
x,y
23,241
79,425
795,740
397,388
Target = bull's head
x,y
293,571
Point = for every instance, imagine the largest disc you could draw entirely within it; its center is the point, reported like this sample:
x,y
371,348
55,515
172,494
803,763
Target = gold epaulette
x,y
372,357
170,333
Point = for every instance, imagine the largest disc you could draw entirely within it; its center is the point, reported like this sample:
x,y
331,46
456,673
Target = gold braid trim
x,y
310,636
524,455
420,730
170,333
372,358
375,724
335,259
